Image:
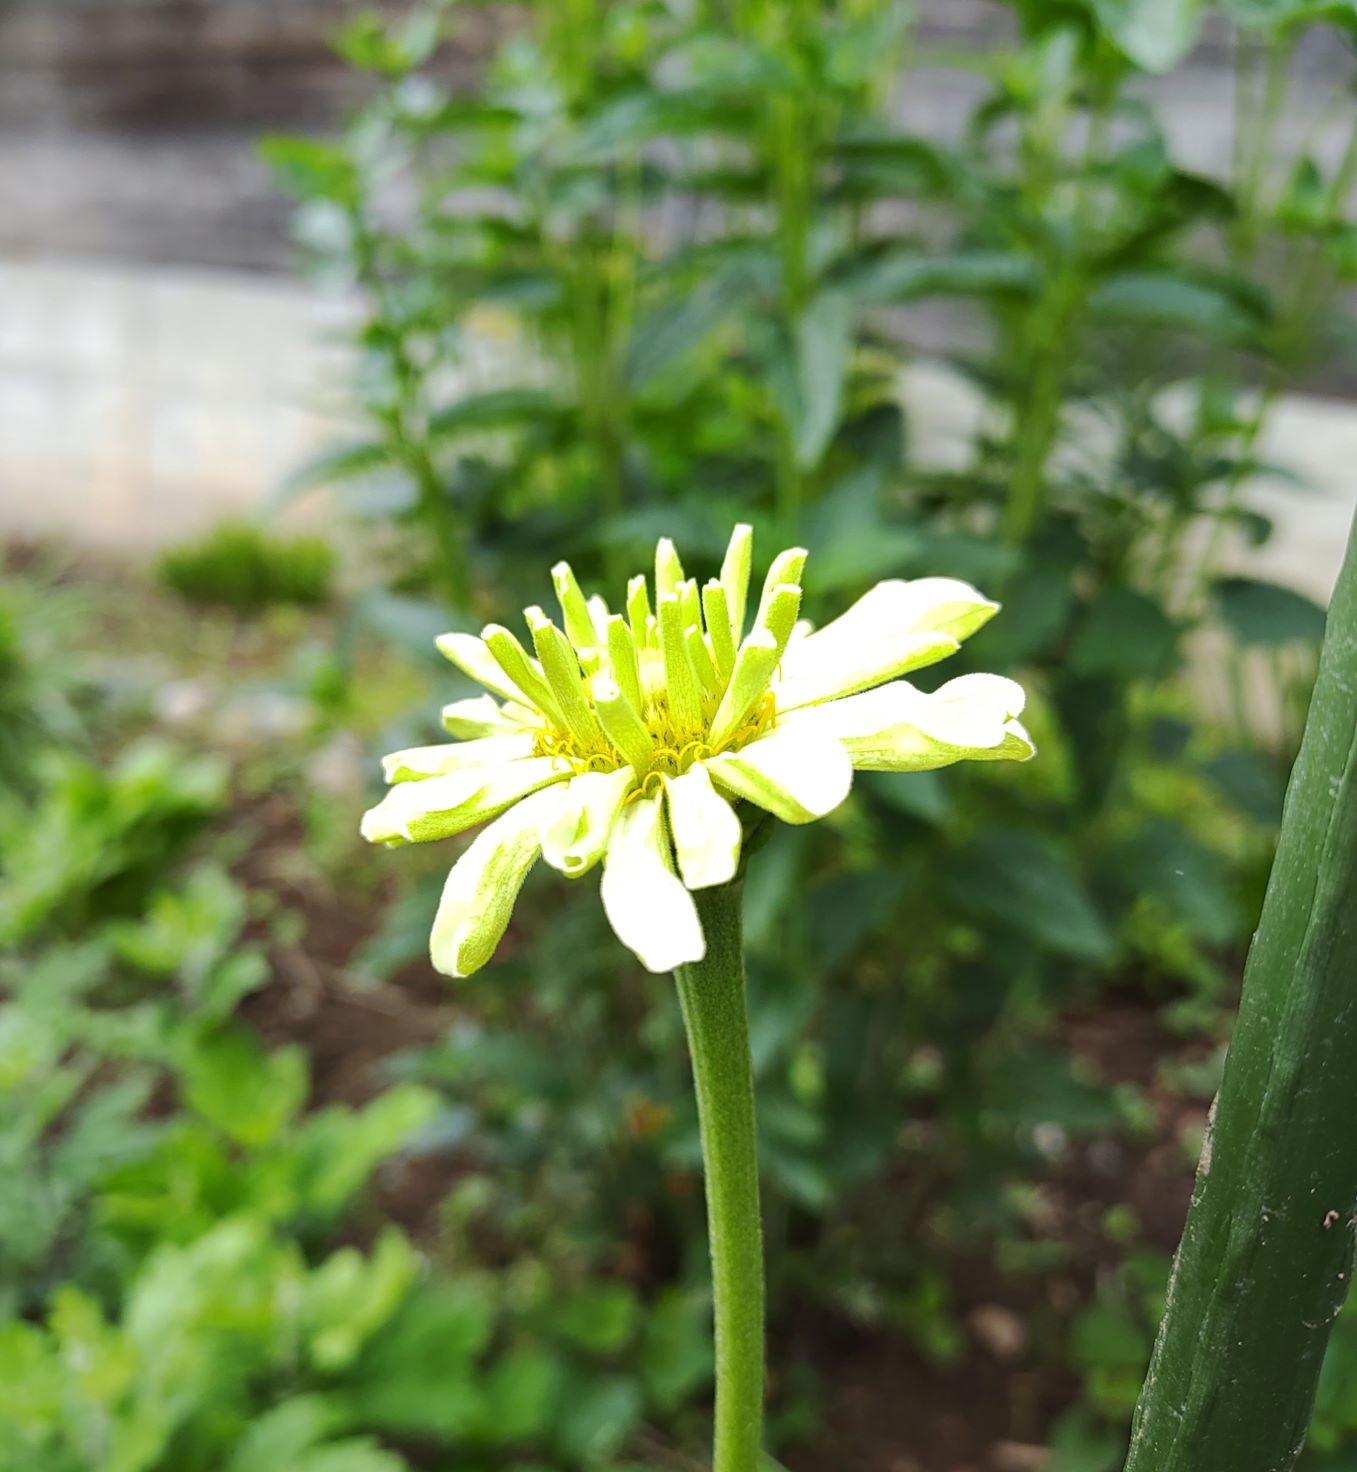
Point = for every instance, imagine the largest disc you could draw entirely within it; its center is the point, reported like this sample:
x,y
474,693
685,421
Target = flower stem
x,y
712,995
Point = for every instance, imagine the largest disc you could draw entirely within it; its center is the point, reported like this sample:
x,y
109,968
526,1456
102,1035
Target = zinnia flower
x,y
634,740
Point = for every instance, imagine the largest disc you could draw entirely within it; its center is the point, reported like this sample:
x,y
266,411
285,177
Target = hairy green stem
x,y
1266,1259
712,995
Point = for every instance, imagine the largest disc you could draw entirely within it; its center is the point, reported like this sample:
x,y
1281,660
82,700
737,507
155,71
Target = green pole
x,y
1266,1258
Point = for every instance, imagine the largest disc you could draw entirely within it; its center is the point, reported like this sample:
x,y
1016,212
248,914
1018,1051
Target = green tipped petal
x,y
480,892
438,807
650,911
513,659
456,756
575,835
897,728
940,605
827,666
785,572
716,611
778,613
685,693
562,671
599,613
621,724
797,776
480,715
754,666
579,623
473,658
735,570
690,603
625,661
668,570
638,610
705,829
699,657
895,628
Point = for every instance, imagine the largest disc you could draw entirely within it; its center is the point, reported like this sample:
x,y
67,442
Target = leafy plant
x,y
248,568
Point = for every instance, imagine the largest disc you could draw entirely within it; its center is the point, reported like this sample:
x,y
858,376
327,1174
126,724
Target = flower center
x,y
674,748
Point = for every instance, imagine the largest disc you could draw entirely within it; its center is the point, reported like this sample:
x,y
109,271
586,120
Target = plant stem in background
x,y
712,995
1267,1256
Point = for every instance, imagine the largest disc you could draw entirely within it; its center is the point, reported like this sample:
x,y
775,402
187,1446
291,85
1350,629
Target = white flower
x,y
630,740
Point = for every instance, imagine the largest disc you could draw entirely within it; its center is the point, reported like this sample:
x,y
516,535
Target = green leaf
x,y
1252,780
1021,879
1037,606
1124,634
880,163
354,1454
845,908
410,624
337,1149
851,544
350,1297
186,930
1189,881
522,1393
310,169
601,1318
1155,34
1024,1088
677,1357
367,42
1276,15
905,275
921,795
502,408
1148,298
823,337
598,1417
679,326
1266,614
1081,1443
279,1436
418,1376
250,1095
341,463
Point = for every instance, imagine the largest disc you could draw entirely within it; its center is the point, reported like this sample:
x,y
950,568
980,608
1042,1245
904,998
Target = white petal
x,y
646,904
438,807
896,627
479,895
455,756
897,728
798,774
707,833
471,655
482,715
575,834
973,710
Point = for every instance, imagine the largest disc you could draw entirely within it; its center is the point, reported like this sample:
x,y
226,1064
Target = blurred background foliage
x,y
274,1197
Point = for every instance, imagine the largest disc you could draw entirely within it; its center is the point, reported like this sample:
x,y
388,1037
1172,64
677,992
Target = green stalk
x,y
712,995
1266,1259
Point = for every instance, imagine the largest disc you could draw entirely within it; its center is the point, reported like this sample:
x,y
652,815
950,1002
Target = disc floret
x,y
655,691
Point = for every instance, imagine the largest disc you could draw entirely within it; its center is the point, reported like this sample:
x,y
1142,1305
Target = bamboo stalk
x,y
1266,1259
